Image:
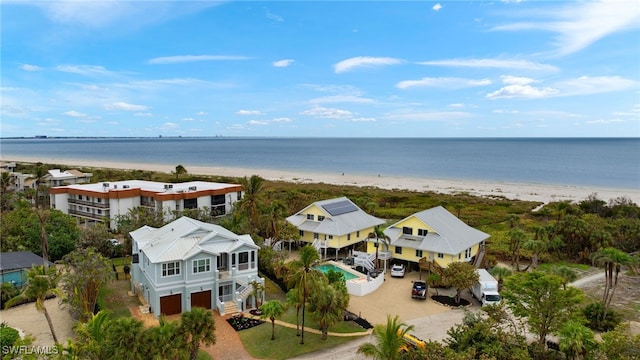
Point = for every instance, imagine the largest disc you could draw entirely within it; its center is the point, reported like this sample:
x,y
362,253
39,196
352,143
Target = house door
x,y
171,304
201,299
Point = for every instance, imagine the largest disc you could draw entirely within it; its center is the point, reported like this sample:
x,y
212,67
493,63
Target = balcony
x,y
88,215
97,205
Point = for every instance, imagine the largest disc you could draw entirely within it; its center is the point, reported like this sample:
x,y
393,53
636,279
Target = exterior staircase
x,y
230,307
432,267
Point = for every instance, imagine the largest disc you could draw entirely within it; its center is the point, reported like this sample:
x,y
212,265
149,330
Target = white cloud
x,y
341,99
491,63
84,69
249,112
29,67
512,80
363,119
437,7
201,113
409,115
328,113
586,85
364,61
283,63
522,91
193,58
125,106
143,114
282,120
450,83
257,122
187,119
580,24
274,17
75,114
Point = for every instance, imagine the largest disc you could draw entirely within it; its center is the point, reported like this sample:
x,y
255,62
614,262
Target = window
x,y
217,200
201,265
309,216
320,217
301,233
330,237
191,203
398,249
315,236
171,269
358,234
440,256
99,200
243,260
467,253
407,230
348,236
419,253
79,197
239,195
423,232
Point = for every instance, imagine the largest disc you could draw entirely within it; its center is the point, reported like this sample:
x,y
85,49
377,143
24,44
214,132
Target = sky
x,y
320,69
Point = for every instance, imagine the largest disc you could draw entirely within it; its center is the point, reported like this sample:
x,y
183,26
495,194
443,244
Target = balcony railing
x,y
88,215
98,205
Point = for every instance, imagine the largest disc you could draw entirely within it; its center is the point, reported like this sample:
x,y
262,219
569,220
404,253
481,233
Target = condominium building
x,y
104,202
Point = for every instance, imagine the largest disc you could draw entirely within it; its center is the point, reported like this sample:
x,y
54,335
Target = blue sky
x,y
327,68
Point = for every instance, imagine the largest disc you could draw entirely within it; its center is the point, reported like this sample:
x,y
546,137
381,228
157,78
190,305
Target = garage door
x,y
201,299
171,304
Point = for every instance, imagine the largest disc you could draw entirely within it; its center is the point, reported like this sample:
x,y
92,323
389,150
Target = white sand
x,y
515,191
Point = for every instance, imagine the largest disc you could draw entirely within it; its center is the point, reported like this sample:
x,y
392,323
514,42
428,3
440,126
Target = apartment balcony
x,y
92,204
88,215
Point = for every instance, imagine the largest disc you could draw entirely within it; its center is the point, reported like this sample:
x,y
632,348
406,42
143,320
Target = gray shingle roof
x,y
336,225
19,260
452,235
186,237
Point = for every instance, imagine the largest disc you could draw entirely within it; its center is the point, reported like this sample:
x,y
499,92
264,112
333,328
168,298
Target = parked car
x,y
419,290
397,270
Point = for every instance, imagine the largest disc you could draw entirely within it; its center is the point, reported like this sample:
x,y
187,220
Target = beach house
x,y
104,202
432,239
57,177
333,224
189,263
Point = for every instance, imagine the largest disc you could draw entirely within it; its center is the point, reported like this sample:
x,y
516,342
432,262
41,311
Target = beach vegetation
x,y
303,277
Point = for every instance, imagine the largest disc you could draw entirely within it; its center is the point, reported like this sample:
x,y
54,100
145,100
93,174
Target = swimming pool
x,y
347,274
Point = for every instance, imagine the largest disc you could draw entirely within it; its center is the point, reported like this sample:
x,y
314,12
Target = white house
x,y
56,177
189,263
104,202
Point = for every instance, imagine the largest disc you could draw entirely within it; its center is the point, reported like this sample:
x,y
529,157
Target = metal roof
x,y
452,236
15,260
341,224
186,237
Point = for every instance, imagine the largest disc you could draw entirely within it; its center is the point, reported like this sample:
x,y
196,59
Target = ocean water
x,y
594,162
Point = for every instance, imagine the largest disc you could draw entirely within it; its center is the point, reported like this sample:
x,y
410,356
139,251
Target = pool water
x,y
326,267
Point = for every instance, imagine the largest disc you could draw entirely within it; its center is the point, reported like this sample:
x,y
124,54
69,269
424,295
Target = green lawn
x,y
257,341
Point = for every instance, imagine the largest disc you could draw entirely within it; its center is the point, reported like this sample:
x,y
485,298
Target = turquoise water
x,y
326,267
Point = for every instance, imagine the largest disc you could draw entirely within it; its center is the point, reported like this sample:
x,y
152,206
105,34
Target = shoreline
x,y
543,193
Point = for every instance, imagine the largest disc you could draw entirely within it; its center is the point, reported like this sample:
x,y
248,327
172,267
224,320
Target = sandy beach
x,y
543,193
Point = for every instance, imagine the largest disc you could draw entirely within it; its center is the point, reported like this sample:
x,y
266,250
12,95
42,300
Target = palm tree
x,y
516,238
180,170
378,234
389,340
328,305
90,336
124,339
293,299
43,216
576,340
257,291
276,210
40,172
500,273
252,188
165,341
568,275
303,275
272,309
41,283
197,326
612,259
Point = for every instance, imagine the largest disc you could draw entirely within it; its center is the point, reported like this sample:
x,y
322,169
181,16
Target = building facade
x,y
104,202
335,223
433,236
189,263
